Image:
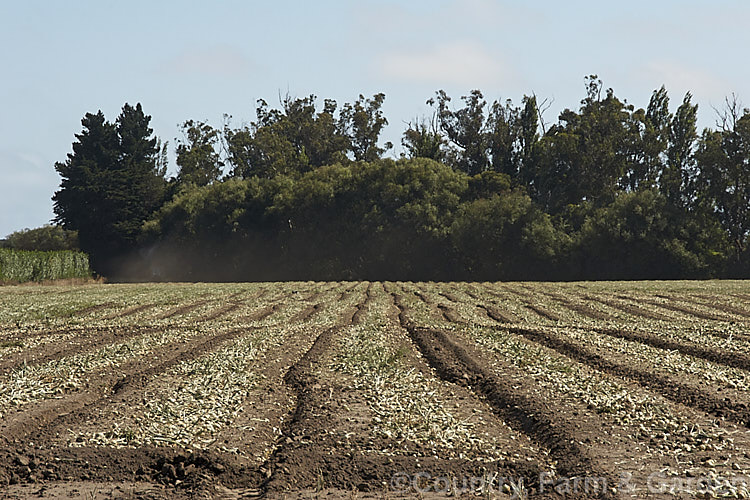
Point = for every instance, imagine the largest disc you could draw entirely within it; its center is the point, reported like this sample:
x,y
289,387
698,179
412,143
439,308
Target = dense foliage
x,y
45,238
481,191
22,265
111,183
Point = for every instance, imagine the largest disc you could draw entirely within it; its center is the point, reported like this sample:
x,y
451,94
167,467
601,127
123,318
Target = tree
x,y
723,158
81,203
640,235
291,140
527,135
506,236
45,238
501,139
197,156
675,178
362,123
587,155
111,183
650,159
465,131
422,139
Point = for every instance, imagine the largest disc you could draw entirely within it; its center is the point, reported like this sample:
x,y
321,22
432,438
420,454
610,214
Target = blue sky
x,y
198,60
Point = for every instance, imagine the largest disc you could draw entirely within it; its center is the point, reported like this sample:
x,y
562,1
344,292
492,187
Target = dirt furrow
x,y
130,311
542,311
263,313
182,310
471,292
358,315
203,470
495,313
631,309
302,381
95,308
679,392
707,302
328,446
222,311
582,309
106,383
450,296
103,385
307,312
25,434
454,362
682,309
86,340
530,301
722,357
451,315
292,454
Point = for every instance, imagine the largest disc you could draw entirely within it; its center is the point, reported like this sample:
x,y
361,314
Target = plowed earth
x,y
376,390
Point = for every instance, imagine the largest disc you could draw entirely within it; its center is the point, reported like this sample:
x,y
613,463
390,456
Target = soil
x,y
308,429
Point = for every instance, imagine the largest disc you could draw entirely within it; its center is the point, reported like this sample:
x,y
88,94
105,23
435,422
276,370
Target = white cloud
x,y
222,61
680,78
463,63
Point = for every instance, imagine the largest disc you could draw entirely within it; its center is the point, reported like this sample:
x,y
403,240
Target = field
x,y
376,390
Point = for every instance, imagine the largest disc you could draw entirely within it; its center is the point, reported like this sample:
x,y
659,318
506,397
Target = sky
x,y
200,60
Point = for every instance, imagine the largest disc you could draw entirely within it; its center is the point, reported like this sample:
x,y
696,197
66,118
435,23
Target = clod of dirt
x,y
180,470
168,471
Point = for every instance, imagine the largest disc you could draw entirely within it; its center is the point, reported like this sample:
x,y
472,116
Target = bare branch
x,y
541,108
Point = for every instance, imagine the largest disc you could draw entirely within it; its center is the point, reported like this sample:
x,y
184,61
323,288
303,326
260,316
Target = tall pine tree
x,y
111,183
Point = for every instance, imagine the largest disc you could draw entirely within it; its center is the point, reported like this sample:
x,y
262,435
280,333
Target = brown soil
x,y
722,357
498,315
130,311
307,430
85,339
709,303
456,362
691,392
628,308
181,310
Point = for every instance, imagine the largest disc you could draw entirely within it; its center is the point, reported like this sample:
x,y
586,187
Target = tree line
x,y
481,191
